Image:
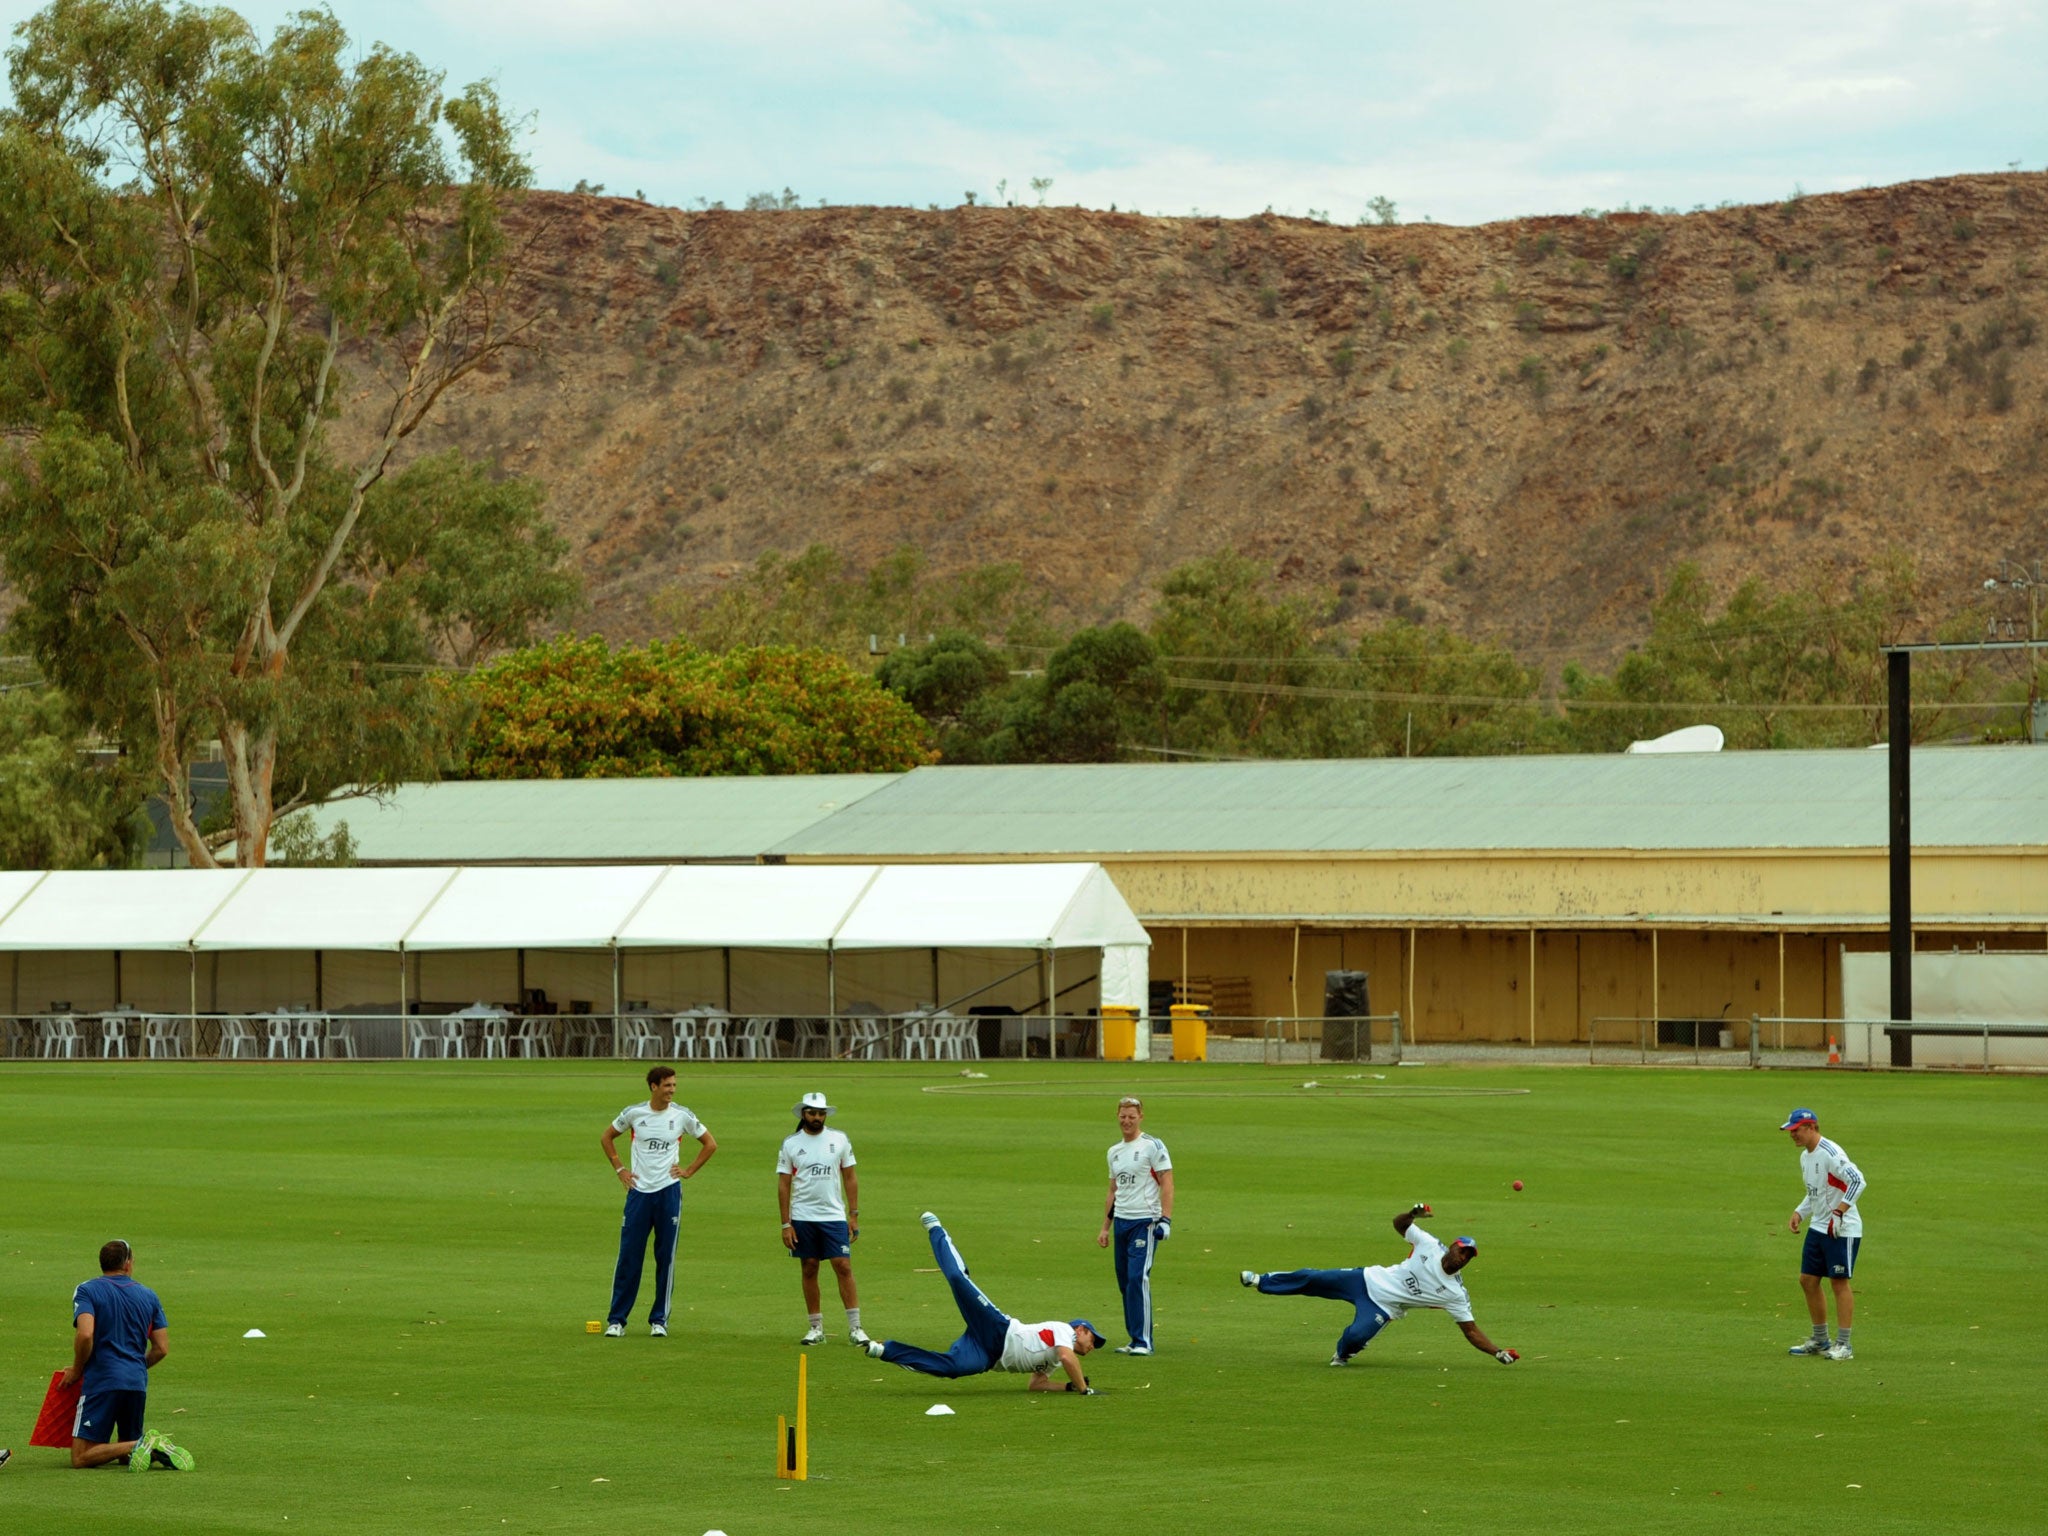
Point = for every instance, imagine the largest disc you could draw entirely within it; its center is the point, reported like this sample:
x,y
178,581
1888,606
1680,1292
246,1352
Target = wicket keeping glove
x,y
1419,1209
1506,1356
1162,1230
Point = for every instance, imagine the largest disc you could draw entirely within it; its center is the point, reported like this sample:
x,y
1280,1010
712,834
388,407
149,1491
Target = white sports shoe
x,y
1338,1360
658,1330
858,1338
1840,1352
813,1336
615,1330
1247,1277
1808,1347
874,1349
1134,1349
929,1220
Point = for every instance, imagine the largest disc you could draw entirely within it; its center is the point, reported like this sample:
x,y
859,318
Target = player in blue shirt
x,y
118,1334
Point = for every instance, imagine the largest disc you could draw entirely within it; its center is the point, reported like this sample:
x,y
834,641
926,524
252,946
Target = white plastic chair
x,y
57,1036
162,1036
234,1035
495,1035
423,1038
308,1035
757,1039
340,1036
638,1037
918,1035
454,1041
533,1038
864,1041
114,1034
277,1034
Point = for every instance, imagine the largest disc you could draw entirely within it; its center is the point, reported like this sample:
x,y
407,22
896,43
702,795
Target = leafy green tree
x,y
196,231
959,684
1421,692
1232,651
1802,668
579,709
58,811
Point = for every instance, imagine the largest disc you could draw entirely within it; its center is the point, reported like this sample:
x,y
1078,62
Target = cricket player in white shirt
x,y
1379,1293
654,1195
1137,1217
817,1187
994,1340
1834,1233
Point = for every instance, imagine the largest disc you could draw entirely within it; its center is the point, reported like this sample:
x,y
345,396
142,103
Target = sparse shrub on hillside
x,y
1533,373
1343,360
1866,376
1746,281
1528,316
1269,302
1102,317
773,202
1964,229
933,412
1999,392
1458,351
1911,353
1383,210
1831,380
898,388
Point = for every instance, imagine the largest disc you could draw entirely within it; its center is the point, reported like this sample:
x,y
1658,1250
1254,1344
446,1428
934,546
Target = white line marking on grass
x,y
1051,1090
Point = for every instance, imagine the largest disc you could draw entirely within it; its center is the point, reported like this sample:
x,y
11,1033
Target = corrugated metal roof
x,y
595,821
1962,797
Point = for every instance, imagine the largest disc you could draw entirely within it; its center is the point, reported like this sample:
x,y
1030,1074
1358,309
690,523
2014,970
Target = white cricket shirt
x,y
1035,1346
1830,1179
1418,1281
656,1138
1136,1166
813,1164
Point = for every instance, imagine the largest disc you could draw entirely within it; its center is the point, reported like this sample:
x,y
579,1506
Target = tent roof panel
x,y
556,907
748,906
118,909
1019,906
298,909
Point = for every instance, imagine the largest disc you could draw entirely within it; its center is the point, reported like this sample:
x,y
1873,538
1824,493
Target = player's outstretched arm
x,y
1409,1217
1476,1337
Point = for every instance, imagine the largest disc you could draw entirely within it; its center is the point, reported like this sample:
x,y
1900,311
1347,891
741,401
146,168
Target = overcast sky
x,y
1461,112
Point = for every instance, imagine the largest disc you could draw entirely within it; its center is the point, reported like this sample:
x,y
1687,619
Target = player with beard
x,y
820,1197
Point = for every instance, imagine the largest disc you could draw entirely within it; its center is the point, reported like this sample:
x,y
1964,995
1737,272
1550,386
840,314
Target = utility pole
x,y
2014,576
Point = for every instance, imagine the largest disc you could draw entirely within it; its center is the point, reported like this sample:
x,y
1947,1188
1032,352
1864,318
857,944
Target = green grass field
x,y
422,1244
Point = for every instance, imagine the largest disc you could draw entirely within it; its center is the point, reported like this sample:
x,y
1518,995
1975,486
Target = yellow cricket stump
x,y
793,1442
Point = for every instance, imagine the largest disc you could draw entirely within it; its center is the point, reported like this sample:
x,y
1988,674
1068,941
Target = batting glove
x,y
1506,1356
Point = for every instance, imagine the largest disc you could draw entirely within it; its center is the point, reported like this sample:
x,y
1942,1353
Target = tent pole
x,y
618,994
117,978
728,978
1052,1003
831,1005
936,993
319,981
192,996
403,1015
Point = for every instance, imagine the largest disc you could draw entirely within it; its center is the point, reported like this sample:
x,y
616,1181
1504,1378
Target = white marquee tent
x,y
600,939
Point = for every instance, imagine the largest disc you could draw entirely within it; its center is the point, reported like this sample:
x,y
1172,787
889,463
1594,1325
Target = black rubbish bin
x,y
1347,1032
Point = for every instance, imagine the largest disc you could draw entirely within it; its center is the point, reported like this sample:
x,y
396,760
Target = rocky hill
x,y
1515,429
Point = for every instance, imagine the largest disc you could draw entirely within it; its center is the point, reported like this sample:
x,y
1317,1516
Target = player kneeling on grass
x,y
1428,1277
994,1340
118,1336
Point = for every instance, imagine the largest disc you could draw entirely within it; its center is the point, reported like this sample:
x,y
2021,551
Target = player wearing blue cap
x,y
1834,1233
1379,1293
994,1340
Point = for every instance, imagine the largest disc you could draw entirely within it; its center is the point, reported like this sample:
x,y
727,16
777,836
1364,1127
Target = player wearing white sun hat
x,y
820,1198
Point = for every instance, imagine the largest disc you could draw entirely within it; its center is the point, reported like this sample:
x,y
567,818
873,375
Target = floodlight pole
x,y
1900,668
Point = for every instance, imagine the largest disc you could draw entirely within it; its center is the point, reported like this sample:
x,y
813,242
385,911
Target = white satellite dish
x,y
1690,738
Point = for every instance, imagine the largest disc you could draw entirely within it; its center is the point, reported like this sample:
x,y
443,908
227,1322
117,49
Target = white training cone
x,y
255,1333
938,1411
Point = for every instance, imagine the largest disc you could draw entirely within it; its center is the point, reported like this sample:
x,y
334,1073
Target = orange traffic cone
x,y
1834,1055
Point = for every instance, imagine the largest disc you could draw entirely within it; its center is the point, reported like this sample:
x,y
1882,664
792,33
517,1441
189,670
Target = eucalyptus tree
x,y
209,242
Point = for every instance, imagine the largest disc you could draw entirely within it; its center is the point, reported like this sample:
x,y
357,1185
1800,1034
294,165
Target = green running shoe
x,y
165,1454
138,1459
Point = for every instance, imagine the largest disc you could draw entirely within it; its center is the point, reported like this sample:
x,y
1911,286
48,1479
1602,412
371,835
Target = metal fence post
x,y
1397,1039
1756,1049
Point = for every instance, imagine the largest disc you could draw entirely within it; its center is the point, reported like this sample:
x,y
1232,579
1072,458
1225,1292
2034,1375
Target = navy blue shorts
x,y
821,1240
104,1417
1834,1257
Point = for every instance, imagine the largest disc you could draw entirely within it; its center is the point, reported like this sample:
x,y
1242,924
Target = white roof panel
x,y
748,906
105,909
323,909
555,907
991,906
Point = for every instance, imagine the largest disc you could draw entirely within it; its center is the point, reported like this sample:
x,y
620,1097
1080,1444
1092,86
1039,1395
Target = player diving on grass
x,y
1379,1293
994,1340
